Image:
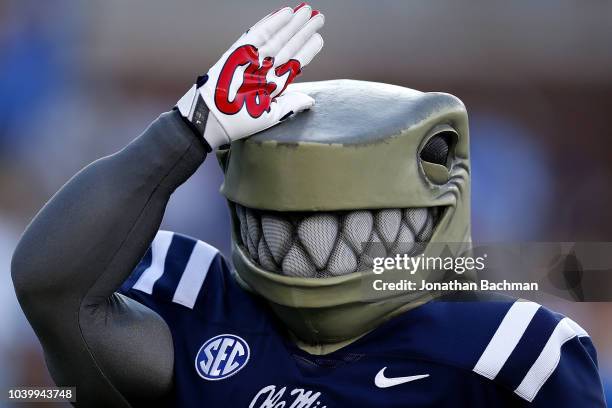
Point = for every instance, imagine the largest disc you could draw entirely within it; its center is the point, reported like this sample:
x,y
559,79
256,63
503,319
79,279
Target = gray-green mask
x,y
370,165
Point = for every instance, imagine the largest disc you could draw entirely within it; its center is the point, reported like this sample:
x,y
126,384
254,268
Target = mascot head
x,y
370,166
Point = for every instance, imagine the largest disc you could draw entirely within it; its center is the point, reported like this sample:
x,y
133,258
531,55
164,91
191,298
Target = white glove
x,y
242,93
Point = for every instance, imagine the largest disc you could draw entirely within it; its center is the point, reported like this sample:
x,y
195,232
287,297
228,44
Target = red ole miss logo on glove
x,y
244,92
255,92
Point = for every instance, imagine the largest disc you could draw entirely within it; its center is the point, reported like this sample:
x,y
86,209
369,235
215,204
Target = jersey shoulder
x,y
530,345
520,345
187,281
175,269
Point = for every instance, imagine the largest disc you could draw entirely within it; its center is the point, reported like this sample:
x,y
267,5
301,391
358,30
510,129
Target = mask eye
x,y
437,149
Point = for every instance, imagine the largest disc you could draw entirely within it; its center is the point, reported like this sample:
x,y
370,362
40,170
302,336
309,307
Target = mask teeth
x,y
335,243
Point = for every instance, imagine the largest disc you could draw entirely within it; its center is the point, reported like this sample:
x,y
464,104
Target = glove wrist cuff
x,y
201,120
193,129
214,133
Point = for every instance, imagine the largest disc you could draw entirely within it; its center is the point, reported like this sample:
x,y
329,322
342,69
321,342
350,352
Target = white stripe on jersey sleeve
x,y
195,272
549,358
159,250
506,338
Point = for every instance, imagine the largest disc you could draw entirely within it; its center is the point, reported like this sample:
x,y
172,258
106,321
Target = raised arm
x,y
88,238
79,249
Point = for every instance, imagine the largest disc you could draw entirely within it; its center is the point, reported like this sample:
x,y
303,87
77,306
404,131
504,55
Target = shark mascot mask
x,y
370,164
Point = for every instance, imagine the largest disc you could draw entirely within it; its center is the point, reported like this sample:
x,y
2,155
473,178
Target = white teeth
x,y
416,218
342,260
253,226
358,228
254,232
297,263
265,257
405,240
387,224
426,231
376,247
242,223
252,249
318,235
331,244
277,233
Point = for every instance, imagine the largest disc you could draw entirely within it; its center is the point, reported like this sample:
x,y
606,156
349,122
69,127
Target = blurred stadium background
x,y
78,80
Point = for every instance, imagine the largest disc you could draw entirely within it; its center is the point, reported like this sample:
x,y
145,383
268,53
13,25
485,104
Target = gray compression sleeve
x,y
80,248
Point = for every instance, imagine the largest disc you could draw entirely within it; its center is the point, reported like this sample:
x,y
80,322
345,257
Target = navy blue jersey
x,y
230,350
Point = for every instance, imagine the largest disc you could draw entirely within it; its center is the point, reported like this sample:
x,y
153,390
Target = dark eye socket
x,y
437,148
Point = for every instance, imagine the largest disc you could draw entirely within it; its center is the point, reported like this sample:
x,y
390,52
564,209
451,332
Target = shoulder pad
x,y
174,268
519,345
527,347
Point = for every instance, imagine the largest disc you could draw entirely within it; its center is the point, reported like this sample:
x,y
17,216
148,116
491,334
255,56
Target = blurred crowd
x,y
78,80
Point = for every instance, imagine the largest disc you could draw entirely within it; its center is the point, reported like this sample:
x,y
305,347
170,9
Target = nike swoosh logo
x,y
383,382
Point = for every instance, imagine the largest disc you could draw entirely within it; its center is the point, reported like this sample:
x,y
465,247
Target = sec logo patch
x,y
222,356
